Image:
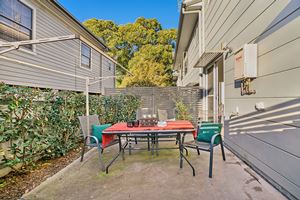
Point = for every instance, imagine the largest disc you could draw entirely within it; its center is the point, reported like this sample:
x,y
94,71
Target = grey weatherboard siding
x,y
62,56
267,140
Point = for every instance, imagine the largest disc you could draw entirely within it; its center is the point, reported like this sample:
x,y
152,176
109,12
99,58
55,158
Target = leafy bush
x,y
44,124
182,111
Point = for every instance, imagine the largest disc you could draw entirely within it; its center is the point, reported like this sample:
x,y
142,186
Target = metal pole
x,y
8,50
87,106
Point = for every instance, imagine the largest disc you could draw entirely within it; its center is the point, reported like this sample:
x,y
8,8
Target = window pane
x,y
85,50
85,62
15,21
26,17
6,8
10,31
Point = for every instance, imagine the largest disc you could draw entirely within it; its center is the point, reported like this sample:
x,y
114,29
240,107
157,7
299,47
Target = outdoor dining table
x,y
177,128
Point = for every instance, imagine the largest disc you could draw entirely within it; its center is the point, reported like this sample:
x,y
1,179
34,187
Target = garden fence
x,y
165,97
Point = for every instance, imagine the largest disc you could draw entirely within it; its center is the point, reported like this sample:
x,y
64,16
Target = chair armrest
x,y
91,136
214,137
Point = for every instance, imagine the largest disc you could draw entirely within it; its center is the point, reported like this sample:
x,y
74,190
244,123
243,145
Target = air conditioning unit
x,y
245,62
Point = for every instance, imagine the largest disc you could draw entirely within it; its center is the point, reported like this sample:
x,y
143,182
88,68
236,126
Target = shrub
x,y
44,124
182,111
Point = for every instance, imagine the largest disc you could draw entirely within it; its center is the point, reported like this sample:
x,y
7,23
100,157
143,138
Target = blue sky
x,y
125,11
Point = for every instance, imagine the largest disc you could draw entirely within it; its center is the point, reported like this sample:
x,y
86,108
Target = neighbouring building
x,y
60,44
244,55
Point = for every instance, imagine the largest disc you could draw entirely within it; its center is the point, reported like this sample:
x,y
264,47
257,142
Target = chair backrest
x,y
143,111
93,119
207,130
217,127
164,115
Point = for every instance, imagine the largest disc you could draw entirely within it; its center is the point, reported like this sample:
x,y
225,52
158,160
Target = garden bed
x,y
14,185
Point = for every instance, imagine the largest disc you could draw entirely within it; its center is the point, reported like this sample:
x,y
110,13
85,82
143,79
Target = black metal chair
x,y
166,115
87,136
141,113
208,137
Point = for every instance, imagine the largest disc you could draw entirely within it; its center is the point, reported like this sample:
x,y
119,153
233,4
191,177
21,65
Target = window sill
x,y
86,68
27,51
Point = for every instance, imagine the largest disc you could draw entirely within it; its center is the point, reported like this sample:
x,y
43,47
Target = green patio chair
x,y
89,139
208,137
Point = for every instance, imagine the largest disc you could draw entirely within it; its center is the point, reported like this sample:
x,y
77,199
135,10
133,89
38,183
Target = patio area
x,y
145,176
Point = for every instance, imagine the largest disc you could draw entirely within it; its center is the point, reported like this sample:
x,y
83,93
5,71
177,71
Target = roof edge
x,y
62,8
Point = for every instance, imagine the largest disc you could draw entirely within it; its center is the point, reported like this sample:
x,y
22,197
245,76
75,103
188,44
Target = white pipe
x,y
102,78
87,106
38,41
8,50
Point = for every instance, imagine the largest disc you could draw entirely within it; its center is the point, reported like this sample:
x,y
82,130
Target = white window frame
x,y
80,64
33,34
109,66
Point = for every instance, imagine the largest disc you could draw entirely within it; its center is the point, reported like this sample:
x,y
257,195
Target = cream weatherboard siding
x,y
267,140
62,56
108,69
191,74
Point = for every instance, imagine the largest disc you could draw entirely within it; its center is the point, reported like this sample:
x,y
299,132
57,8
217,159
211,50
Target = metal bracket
x,y
38,41
245,87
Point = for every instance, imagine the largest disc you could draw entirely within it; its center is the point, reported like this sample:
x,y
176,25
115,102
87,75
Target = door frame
x,y
216,93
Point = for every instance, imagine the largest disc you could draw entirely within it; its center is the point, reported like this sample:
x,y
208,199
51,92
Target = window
x,y
109,66
185,63
85,56
15,21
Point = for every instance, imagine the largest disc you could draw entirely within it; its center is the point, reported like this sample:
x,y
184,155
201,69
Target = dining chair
x,y
89,140
208,137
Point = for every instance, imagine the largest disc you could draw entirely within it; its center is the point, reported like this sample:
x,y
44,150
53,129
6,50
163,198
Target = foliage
x,y
136,45
147,74
182,111
43,124
113,109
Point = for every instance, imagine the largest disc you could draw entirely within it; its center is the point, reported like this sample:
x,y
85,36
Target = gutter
x,y
179,32
182,13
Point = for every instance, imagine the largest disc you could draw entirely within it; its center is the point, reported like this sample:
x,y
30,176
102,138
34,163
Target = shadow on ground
x,y
144,176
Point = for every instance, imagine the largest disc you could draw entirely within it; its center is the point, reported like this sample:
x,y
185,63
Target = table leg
x,y
152,144
121,150
180,150
129,146
148,142
156,144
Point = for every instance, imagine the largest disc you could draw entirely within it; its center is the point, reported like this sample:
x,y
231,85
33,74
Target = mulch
x,y
15,184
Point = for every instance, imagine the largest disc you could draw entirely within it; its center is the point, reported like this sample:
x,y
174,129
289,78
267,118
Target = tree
x,y
146,74
140,47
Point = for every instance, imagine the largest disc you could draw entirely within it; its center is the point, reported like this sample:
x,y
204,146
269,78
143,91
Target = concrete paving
x,y
143,176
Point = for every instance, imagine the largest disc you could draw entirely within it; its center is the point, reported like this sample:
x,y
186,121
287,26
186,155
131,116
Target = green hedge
x,y
44,124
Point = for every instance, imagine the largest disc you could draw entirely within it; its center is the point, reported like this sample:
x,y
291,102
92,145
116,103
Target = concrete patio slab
x,y
143,176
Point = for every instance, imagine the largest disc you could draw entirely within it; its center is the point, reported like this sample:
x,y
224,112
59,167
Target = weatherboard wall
x,y
62,56
268,140
192,75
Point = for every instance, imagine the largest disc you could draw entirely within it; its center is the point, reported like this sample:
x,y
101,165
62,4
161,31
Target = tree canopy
x,y
143,47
